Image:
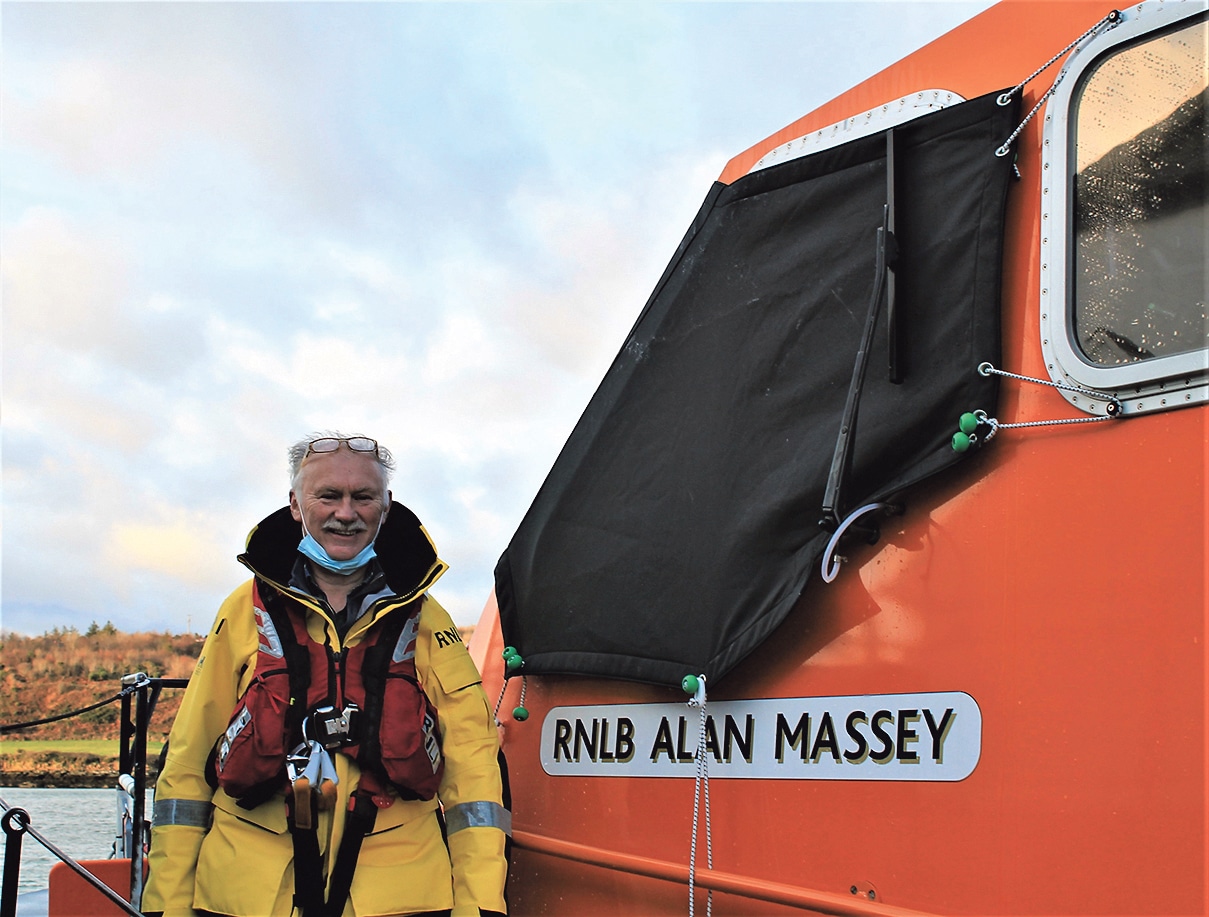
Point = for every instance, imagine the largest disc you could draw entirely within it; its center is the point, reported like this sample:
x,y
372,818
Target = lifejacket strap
x,y
478,814
308,866
360,821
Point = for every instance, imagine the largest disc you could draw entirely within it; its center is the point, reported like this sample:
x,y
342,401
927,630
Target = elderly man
x,y
334,752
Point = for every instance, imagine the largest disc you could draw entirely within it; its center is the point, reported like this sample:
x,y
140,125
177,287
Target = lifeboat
x,y
872,578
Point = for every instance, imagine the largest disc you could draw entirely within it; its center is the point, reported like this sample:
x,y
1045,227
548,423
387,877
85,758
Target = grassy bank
x,y
102,747
63,762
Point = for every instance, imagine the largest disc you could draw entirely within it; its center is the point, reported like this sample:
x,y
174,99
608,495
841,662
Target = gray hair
x,y
298,452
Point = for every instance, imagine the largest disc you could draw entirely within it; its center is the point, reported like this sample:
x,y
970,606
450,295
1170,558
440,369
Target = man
x,y
334,752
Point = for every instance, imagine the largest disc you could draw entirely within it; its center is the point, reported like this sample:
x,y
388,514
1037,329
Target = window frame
x,y
1156,384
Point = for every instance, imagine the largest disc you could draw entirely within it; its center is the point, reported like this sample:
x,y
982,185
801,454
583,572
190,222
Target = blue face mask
x,y
314,551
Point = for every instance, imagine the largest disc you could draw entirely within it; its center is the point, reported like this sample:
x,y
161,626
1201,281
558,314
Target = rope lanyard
x,y
969,422
700,787
1112,409
513,663
1110,20
520,712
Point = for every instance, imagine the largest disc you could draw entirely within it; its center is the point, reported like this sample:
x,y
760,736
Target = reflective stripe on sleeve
x,y
191,812
478,815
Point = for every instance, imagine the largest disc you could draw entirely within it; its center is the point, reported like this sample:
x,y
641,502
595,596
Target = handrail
x,y
6,728
16,823
730,883
132,761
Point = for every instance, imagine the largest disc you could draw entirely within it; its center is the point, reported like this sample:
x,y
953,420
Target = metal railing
x,y
16,824
139,696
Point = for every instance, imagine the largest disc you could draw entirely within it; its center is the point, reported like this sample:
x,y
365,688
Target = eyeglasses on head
x,y
332,443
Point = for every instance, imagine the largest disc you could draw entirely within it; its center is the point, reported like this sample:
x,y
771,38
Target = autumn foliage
x,y
64,670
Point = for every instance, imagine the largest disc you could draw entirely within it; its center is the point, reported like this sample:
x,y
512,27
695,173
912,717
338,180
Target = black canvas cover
x,y
680,523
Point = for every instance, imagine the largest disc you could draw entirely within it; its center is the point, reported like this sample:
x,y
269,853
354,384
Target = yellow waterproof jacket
x,y
209,854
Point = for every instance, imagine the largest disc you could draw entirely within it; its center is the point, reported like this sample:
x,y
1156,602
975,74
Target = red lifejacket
x,y
394,736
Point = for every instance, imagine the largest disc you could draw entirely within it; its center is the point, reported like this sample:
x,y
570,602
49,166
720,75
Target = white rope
x,y
701,781
996,426
1111,411
1111,20
503,689
496,713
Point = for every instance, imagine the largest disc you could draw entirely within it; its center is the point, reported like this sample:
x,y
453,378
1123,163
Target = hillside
x,y
64,670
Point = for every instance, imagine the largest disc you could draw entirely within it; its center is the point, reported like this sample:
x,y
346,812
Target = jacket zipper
x,y
336,677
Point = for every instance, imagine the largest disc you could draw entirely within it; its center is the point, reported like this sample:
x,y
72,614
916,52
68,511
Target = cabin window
x,y
1139,201
1124,281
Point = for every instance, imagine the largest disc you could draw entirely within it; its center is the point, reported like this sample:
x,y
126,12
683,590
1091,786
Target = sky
x,y
224,226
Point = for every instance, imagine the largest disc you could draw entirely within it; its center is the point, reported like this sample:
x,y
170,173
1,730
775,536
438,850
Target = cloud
x,y
97,552
67,287
123,88
181,549
61,283
610,246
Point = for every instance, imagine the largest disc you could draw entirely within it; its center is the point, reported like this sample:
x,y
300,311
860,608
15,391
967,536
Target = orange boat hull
x,y
1058,580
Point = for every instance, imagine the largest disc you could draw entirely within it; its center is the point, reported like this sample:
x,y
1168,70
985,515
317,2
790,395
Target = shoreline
x,y
64,770
59,781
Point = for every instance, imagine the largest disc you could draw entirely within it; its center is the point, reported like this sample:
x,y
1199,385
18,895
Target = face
x,y
341,497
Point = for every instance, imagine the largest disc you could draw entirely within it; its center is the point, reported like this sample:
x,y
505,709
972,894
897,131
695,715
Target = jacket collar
x,y
408,556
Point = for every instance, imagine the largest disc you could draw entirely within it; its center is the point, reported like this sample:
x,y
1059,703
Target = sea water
x,y
81,823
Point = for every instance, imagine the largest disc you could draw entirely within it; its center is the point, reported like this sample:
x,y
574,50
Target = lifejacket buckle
x,y
296,761
333,728
313,779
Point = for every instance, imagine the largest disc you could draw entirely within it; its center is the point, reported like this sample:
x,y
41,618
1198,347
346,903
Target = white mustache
x,y
355,529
